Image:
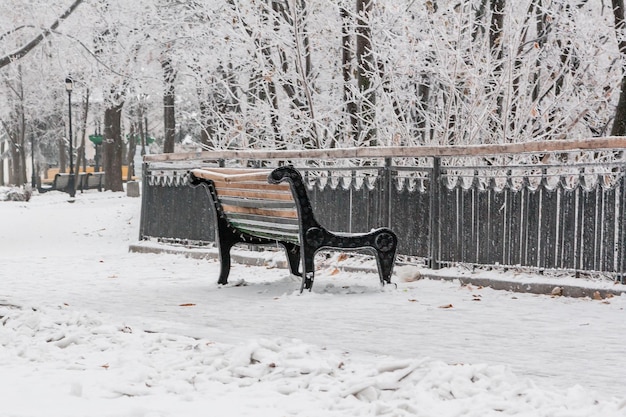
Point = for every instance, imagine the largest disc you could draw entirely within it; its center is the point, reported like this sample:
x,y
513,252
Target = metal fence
x,y
547,217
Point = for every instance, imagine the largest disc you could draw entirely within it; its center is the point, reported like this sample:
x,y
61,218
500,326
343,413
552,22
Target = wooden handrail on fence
x,y
592,144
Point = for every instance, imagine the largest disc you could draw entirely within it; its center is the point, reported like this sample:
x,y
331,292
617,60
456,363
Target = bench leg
x,y
308,268
224,253
293,257
385,244
225,240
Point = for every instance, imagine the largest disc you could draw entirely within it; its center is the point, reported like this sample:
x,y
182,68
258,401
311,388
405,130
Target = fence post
x,y
435,224
621,252
143,218
385,212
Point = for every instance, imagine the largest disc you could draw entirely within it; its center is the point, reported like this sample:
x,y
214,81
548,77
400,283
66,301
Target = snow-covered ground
x,y
89,329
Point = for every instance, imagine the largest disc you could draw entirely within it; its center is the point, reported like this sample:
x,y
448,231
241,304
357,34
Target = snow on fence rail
x,y
542,205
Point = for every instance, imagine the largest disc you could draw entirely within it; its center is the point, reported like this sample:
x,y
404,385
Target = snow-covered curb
x,y
516,281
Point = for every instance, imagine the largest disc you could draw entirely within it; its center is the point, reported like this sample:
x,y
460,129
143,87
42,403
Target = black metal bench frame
x,y
310,237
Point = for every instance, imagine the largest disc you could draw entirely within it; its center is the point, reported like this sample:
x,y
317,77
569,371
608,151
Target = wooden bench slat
x,y
271,234
256,194
257,202
282,223
279,228
285,222
252,185
285,232
274,231
261,212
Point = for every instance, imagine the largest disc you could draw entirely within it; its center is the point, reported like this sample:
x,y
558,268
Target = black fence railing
x,y
565,216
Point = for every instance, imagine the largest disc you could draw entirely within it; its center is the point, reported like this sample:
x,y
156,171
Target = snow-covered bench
x,y
259,206
83,181
93,181
61,182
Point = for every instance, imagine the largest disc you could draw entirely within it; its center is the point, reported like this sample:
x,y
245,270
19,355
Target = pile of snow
x,y
80,364
14,194
88,329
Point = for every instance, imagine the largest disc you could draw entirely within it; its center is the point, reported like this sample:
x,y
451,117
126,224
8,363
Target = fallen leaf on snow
x,y
446,306
342,257
187,305
334,271
597,295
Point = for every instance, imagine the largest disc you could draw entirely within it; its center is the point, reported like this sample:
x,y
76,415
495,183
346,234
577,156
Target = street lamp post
x,y
69,86
32,161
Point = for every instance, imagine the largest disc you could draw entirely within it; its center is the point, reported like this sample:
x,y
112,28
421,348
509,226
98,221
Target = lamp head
x,y
69,84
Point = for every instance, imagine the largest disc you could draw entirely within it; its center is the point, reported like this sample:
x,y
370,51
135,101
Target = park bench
x,y
84,181
61,182
257,206
93,181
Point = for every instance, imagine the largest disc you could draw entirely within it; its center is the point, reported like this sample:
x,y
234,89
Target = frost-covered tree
x,y
293,74
619,124
23,28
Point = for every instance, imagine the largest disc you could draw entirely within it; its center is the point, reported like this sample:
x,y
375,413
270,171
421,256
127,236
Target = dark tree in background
x,y
17,131
619,124
365,71
169,100
113,145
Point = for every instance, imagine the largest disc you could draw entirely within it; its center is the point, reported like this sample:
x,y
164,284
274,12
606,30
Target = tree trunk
x,y
113,148
479,26
495,45
495,28
206,127
1,163
365,71
142,132
14,164
169,99
132,150
346,67
62,154
21,180
80,150
619,123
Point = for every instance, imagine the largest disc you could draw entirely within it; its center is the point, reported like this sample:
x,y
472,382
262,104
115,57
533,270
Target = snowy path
x,y
72,260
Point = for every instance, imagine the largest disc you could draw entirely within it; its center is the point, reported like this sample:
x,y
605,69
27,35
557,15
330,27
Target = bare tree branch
x,y
24,50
